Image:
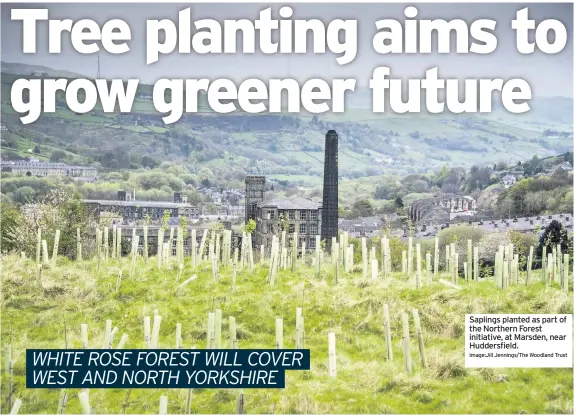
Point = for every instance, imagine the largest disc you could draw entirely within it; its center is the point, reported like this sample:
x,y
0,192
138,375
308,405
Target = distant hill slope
x,y
25,69
288,146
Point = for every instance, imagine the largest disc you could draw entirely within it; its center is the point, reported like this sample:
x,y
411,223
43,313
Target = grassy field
x,y
49,314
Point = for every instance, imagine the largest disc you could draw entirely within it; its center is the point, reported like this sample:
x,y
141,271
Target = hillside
x,y
48,314
23,69
287,147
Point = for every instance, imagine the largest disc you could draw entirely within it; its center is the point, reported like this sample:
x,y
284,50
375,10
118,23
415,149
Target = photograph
x,y
286,208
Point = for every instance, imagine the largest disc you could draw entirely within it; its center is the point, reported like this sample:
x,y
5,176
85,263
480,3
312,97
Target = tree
x,y
399,202
165,219
24,194
183,224
148,161
11,219
459,235
363,208
555,234
489,245
58,209
57,156
522,243
283,223
249,227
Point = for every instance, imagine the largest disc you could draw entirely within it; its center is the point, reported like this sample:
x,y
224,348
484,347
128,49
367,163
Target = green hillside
x,y
288,146
48,314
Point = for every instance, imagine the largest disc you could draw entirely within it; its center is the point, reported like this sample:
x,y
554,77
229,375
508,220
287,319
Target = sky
x,y
548,75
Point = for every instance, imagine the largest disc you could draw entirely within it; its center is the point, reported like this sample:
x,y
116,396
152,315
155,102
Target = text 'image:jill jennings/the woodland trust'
x,y
284,208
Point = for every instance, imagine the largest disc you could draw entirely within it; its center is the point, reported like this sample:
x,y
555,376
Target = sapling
x,y
107,335
428,264
210,330
78,245
410,257
476,271
419,269
114,243
122,341
299,329
38,246
147,330
406,343
387,324
436,257
332,355
217,331
145,245
46,260
55,249
155,332
15,407
566,272
364,256
84,402
404,262
179,272
232,333
119,244
163,405
119,281
106,244
278,333
419,332
469,260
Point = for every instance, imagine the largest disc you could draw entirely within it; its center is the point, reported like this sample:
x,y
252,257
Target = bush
x,y
459,235
59,209
396,246
522,243
488,246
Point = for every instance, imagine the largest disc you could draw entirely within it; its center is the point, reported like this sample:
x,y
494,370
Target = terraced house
x,y
31,168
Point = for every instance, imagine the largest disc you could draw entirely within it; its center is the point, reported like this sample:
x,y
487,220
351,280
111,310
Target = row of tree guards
x,y
151,337
215,248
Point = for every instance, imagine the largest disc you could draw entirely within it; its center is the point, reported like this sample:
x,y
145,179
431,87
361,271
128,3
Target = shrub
x,y
522,243
459,235
59,209
488,246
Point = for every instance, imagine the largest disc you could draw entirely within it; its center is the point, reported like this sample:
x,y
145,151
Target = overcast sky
x,y
549,75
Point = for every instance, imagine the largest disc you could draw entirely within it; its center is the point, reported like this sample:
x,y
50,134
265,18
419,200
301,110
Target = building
x,y
366,227
254,194
294,214
304,216
128,211
235,210
330,206
529,224
508,180
40,169
442,208
565,166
